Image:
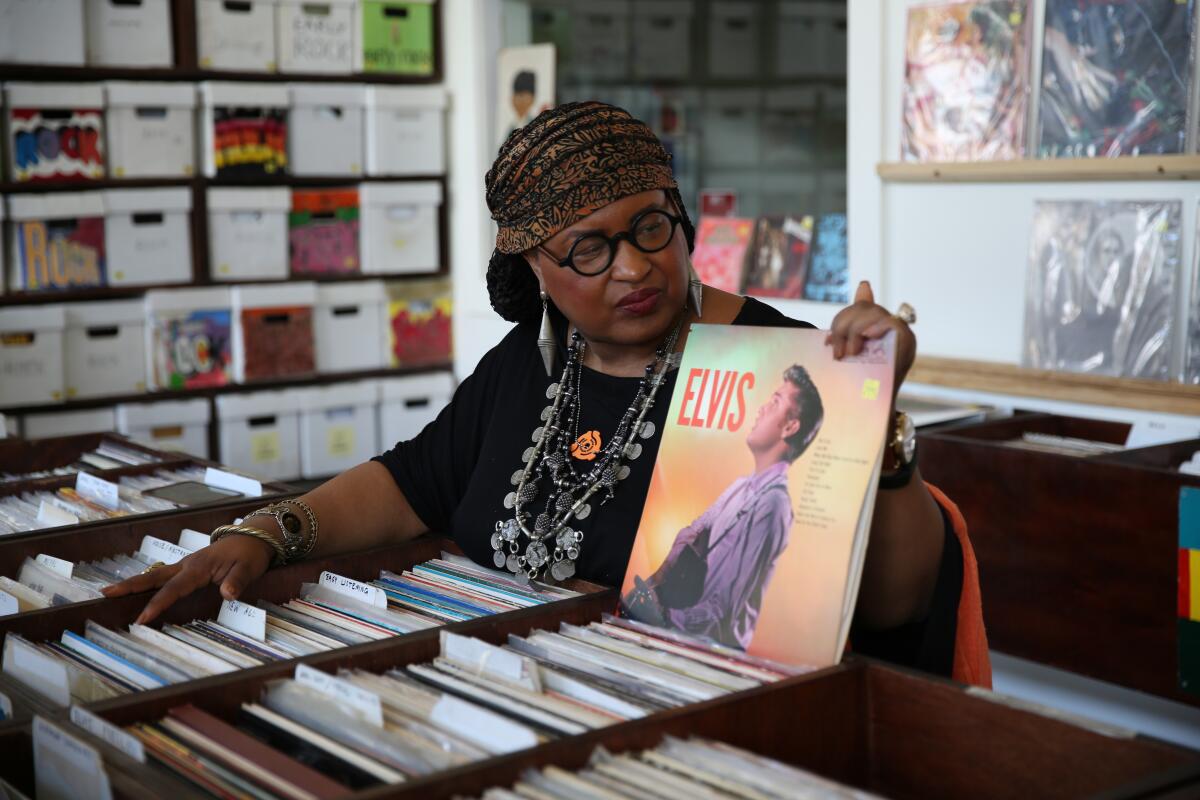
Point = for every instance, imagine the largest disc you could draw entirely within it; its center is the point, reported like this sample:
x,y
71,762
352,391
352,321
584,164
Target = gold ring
x,y
153,567
906,314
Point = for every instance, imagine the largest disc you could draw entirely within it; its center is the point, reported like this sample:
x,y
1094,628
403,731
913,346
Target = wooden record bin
x,y
1077,555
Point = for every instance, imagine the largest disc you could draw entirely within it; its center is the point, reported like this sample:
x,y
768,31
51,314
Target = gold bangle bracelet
x,y
244,530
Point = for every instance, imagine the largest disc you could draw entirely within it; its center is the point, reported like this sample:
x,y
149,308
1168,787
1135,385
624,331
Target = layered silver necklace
x,y
527,544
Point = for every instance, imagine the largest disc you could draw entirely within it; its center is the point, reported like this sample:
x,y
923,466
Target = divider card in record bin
x,y
244,129
323,232
57,241
1189,589
54,132
419,322
190,334
395,37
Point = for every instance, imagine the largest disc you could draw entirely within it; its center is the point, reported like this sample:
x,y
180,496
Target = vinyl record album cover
x,y
720,254
777,264
966,81
829,272
755,525
1116,77
1100,291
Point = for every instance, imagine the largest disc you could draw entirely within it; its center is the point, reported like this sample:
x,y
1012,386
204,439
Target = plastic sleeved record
x,y
1116,77
966,81
1100,290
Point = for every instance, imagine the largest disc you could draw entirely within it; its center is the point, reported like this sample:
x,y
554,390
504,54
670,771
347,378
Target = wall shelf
x,y
987,376
1126,168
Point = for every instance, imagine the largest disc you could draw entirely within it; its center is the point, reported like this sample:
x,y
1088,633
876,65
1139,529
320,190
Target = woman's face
x,y
638,298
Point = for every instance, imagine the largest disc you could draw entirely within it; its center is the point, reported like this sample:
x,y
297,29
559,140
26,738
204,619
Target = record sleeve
x,y
1116,77
720,254
966,81
777,264
1100,290
829,271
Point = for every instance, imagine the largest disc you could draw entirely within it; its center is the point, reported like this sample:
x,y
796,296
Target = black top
x,y
457,471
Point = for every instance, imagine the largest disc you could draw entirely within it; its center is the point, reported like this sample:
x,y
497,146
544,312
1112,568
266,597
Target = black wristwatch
x,y
904,447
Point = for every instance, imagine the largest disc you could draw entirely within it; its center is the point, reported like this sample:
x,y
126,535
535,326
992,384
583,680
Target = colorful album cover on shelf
x,y
192,349
829,271
966,79
1100,289
777,261
755,526
323,232
397,37
56,144
249,142
278,342
419,322
1116,77
720,254
58,254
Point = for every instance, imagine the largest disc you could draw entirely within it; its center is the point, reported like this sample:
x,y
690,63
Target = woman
x,y
593,242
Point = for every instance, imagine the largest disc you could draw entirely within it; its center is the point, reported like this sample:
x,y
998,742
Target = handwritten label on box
x,y
367,703
156,549
363,592
245,619
127,743
98,490
58,566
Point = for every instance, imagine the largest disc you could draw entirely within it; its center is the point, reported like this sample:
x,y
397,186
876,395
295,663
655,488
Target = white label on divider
x,y
222,479
244,619
8,604
66,767
1147,433
498,734
362,592
158,550
36,669
56,565
52,516
127,743
98,490
193,540
356,697
482,658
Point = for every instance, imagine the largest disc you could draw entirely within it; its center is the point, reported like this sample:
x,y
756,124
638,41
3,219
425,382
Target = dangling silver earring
x,y
695,288
546,337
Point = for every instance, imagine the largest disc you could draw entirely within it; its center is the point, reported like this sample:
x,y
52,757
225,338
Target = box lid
x,y
214,297
104,312
144,200
258,404
436,384
677,10
266,199
741,99
167,412
407,96
54,95
59,423
150,93
275,295
33,318
807,9
791,99
56,205
415,192
350,292
338,395
327,94
224,93
737,9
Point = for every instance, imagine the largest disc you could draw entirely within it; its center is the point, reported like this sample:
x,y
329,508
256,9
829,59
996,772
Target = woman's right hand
x,y
232,562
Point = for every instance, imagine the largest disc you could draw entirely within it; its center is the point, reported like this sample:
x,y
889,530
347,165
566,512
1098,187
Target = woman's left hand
x,y
864,320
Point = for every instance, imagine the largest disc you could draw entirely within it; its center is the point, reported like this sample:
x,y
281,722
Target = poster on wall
x,y
525,86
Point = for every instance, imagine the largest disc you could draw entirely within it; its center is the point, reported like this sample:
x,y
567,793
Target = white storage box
x,y
734,42
54,131
810,39
406,405
31,355
337,427
789,127
400,227
600,39
788,192
105,348
175,425
662,39
406,130
68,423
151,129
316,36
259,433
326,124
348,325
41,32
746,184
732,135
273,331
3,251
121,33
236,35
57,241
248,233
148,236
243,129
189,338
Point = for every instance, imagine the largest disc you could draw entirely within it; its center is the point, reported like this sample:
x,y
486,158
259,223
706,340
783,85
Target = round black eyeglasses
x,y
594,253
